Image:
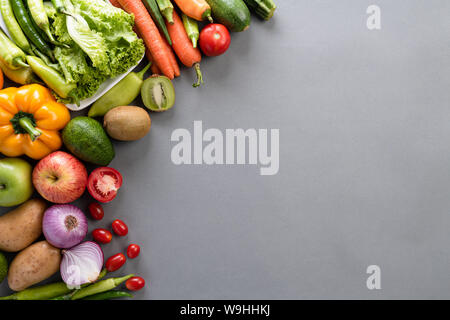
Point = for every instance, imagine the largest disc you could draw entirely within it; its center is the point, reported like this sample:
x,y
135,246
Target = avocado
x,y
87,140
3,267
234,14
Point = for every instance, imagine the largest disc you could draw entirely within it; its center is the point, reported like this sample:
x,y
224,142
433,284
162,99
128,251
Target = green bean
x,y
26,24
112,294
166,8
11,54
99,287
13,27
51,77
191,27
39,16
45,292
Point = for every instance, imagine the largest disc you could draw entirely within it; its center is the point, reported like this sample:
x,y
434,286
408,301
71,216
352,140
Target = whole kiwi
x,y
127,123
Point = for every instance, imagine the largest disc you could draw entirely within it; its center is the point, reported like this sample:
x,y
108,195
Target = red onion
x,y
64,226
81,264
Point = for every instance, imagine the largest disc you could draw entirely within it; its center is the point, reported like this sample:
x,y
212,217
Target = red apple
x,y
60,177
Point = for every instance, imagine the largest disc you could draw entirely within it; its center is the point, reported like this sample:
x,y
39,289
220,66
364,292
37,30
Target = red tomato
x,y
120,228
96,211
133,251
103,183
115,262
214,39
102,235
135,283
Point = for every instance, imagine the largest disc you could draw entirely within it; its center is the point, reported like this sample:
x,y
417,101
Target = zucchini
x,y
262,8
234,14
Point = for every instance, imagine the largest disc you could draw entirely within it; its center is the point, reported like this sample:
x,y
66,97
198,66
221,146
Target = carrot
x,y
154,67
172,58
182,45
151,36
196,9
115,3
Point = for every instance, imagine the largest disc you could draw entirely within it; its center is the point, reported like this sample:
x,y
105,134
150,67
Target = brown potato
x,y
21,226
127,123
32,265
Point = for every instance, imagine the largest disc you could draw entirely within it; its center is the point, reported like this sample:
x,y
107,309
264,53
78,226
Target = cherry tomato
x,y
135,283
96,211
102,235
214,39
120,228
103,184
133,251
1,79
115,262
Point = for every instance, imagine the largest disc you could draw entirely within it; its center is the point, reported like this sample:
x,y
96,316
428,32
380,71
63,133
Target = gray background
x,y
364,163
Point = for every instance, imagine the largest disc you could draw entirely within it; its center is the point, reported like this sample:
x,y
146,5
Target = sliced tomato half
x,y
103,184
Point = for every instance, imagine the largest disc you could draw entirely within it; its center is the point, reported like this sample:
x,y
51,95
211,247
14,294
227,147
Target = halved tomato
x,y
103,184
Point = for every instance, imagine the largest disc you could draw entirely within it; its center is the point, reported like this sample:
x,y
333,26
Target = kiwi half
x,y
158,93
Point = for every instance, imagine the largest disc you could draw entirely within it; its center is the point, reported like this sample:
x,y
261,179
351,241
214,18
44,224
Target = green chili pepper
x,y
21,76
113,294
11,54
166,8
37,11
13,27
191,27
29,29
45,292
68,296
99,287
122,94
51,77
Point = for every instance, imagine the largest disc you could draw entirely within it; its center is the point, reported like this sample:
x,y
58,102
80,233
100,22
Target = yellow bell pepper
x,y
30,120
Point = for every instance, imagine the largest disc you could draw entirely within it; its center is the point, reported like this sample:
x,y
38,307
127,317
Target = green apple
x,y
15,182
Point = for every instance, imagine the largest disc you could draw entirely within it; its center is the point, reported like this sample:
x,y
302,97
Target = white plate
x,y
104,87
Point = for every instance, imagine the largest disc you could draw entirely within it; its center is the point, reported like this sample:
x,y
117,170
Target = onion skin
x,y
81,264
64,226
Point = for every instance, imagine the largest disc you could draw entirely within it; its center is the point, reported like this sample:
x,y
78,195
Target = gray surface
x,y
364,163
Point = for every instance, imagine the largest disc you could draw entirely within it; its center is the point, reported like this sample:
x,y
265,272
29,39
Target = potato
x,y
21,226
127,123
32,265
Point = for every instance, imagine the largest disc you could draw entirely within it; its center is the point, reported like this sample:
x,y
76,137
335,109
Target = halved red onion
x,y
81,264
64,225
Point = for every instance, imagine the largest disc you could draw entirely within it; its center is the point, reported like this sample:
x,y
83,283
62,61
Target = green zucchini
x,y
262,8
234,14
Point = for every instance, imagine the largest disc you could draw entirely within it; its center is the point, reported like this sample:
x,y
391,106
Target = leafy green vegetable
x,y
102,43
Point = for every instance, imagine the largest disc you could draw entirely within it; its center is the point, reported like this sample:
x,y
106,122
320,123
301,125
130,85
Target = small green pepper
x,y
51,77
21,76
11,54
122,94
99,287
191,27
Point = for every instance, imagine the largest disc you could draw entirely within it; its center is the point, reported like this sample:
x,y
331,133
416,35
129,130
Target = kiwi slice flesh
x,y
158,93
